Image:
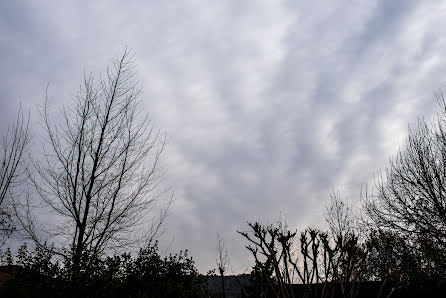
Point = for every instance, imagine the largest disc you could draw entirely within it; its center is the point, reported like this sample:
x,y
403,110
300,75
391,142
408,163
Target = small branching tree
x,y
100,171
339,216
222,261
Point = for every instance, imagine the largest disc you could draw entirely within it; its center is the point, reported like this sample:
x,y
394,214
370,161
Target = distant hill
x,y
232,284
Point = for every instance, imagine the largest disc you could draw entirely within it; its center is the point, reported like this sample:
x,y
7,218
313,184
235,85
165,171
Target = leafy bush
x,y
41,274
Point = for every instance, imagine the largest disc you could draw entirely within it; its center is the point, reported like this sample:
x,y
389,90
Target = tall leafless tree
x,y
101,167
410,195
12,170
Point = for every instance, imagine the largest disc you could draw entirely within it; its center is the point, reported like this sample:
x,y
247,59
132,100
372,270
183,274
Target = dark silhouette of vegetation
x,y
326,265
222,262
410,196
99,176
283,258
406,213
41,274
394,247
13,165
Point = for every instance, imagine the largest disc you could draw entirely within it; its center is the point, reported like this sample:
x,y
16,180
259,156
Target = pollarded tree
x,y
100,171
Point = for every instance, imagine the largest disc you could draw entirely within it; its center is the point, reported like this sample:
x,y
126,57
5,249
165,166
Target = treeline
x,y
99,178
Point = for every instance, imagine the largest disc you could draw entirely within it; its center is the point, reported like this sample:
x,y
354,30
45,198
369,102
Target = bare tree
x,y
101,167
339,216
12,170
222,261
410,195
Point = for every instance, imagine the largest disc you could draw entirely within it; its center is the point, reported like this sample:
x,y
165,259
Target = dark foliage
x,y
146,275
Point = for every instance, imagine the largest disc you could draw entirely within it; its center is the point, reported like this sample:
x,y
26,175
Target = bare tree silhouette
x,y
12,170
339,216
410,195
222,261
100,171
284,258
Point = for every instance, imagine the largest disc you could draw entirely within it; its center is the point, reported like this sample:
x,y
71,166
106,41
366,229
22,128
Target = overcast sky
x,y
267,105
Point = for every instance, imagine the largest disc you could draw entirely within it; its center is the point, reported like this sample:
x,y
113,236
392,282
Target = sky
x,y
267,105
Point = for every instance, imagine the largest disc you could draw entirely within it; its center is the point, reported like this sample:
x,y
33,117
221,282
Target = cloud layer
x,y
267,104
